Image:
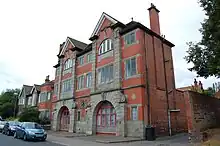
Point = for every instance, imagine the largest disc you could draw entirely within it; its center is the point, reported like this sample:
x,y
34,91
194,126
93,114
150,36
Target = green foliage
x,y
29,115
210,91
205,55
8,101
12,119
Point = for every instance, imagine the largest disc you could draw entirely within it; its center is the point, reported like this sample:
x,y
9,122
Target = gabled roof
x,y
75,43
27,90
37,87
101,20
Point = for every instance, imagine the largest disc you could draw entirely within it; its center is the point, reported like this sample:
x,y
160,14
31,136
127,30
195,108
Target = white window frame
x,y
130,38
130,73
103,76
68,64
81,82
81,60
89,57
134,113
89,80
105,46
66,85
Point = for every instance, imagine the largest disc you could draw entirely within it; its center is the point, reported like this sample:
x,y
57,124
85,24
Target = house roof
x,y
101,20
27,90
75,43
133,25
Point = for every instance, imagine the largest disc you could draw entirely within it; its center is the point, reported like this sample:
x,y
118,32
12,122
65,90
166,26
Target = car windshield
x,y
32,126
13,123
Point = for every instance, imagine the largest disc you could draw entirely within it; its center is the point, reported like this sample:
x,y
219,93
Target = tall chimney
x,y
154,19
47,79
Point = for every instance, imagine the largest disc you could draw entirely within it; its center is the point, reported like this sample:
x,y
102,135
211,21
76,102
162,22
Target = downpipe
x,y
167,96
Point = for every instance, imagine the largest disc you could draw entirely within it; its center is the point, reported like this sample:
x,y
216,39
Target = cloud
x,y
31,32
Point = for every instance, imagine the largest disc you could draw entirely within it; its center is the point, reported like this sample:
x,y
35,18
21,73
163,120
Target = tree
x,y
8,101
30,114
205,55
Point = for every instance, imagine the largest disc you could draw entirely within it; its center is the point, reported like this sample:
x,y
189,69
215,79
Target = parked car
x,y
9,127
2,124
30,131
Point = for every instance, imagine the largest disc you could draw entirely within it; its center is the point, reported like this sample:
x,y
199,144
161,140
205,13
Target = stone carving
x,y
117,96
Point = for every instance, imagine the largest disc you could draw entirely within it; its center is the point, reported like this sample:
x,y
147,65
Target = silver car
x,y
2,124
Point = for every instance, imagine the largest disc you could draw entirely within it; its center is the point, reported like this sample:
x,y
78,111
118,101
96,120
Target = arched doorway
x,y
106,119
64,119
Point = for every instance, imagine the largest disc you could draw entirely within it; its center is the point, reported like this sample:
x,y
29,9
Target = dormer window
x,y
106,46
68,64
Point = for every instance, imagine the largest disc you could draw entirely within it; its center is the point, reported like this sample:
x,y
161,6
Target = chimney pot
x,y
154,19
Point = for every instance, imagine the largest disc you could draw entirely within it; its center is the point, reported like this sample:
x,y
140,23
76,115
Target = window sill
x,y
84,64
131,77
129,45
83,89
105,83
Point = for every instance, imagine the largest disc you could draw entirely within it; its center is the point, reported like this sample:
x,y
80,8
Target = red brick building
x,y
45,99
117,84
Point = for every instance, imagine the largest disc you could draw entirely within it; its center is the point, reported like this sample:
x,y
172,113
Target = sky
x,y
31,32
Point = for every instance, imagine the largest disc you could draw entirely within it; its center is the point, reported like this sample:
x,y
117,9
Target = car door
x,y
19,130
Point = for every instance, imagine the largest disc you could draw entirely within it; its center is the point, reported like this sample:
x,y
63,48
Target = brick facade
x,y
150,90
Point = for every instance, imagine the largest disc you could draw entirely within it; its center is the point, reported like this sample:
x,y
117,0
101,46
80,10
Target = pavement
x,y
58,140
179,140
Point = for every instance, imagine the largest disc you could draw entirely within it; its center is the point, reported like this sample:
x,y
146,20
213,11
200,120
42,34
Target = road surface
x,y
10,141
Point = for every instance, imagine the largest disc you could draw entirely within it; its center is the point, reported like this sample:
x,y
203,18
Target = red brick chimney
x,y
154,19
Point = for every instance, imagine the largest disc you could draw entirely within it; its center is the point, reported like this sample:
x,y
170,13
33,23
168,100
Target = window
x,y
105,46
105,74
48,96
56,89
43,97
134,113
80,82
67,85
130,67
89,57
21,100
130,38
89,80
68,64
78,116
30,100
81,60
106,116
57,71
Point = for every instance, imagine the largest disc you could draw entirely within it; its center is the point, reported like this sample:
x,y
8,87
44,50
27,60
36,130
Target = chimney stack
x,y
47,79
154,19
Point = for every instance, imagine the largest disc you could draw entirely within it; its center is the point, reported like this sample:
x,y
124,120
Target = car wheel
x,y
15,135
25,137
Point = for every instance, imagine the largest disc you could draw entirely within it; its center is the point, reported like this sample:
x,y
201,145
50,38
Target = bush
x,y
12,119
29,115
45,121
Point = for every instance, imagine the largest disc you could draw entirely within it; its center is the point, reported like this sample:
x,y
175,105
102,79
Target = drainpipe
x,y
147,91
167,96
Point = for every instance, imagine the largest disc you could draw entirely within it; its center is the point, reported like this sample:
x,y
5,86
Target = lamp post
x,y
15,106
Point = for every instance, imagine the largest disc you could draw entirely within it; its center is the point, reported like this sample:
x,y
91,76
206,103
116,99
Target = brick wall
x,y
203,112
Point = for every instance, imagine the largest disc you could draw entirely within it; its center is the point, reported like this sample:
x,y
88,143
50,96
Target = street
x,y
10,141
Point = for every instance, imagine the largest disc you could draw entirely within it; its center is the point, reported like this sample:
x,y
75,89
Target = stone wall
x,y
203,112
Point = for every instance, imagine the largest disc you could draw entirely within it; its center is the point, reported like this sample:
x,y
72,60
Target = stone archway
x,y
64,119
105,118
118,101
